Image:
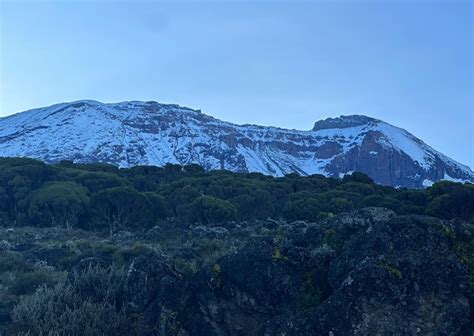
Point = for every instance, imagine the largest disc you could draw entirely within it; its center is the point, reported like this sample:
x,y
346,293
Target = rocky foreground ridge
x,y
369,272
149,133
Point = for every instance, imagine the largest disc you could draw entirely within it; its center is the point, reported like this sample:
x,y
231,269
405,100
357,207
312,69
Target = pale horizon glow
x,y
285,64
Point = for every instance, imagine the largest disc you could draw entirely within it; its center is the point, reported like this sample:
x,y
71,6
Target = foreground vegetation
x,y
97,250
103,197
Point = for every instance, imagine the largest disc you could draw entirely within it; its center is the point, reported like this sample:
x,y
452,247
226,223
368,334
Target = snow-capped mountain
x,y
149,133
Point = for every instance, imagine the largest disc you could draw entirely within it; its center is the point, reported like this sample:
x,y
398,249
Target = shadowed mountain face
x,y
148,133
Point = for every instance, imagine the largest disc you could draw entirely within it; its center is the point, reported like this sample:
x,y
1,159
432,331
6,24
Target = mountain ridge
x,y
150,133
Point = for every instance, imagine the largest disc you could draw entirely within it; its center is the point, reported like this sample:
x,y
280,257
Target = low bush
x,y
26,283
85,304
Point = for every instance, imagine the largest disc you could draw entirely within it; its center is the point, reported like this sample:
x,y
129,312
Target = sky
x,y
280,63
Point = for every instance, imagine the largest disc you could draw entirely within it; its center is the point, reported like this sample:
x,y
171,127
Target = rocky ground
x,y
368,272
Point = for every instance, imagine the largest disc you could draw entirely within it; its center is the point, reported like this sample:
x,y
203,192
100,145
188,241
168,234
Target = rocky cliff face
x,y
149,133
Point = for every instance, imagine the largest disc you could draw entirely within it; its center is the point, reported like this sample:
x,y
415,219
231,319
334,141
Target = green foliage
x,y
97,181
104,197
413,197
208,209
465,252
341,205
157,204
58,204
193,169
393,271
86,304
277,255
358,177
311,294
330,238
179,199
303,206
452,200
188,267
120,207
463,247
27,283
13,261
216,269
358,188
211,249
122,256
383,201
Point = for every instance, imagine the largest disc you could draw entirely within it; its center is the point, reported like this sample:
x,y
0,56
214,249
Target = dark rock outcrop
x,y
369,272
346,122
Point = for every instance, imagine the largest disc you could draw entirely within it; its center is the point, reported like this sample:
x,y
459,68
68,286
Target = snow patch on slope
x,y
134,133
427,183
447,177
402,141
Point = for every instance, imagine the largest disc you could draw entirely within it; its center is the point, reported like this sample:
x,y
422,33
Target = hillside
x,y
91,249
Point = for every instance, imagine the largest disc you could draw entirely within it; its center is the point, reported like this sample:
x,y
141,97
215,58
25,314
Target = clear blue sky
x,y
283,63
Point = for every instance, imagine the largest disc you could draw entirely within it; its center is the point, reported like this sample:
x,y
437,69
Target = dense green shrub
x,y
208,209
104,197
304,208
97,181
119,208
58,204
452,200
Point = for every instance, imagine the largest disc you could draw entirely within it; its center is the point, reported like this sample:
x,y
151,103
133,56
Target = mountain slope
x,y
149,133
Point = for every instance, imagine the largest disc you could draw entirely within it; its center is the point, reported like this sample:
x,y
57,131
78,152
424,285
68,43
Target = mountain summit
x,y
343,122
149,133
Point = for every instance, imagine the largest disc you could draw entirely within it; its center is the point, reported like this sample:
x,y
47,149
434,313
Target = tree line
x,y
103,197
